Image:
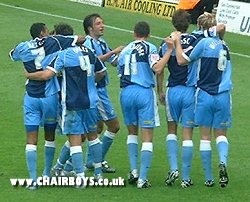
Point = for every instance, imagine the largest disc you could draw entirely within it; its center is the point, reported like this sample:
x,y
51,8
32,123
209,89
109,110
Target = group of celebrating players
x,y
66,89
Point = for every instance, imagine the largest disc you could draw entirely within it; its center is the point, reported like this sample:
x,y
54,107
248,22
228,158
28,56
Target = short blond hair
x,y
205,21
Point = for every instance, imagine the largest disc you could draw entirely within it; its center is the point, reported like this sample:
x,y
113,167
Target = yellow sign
x,y
149,7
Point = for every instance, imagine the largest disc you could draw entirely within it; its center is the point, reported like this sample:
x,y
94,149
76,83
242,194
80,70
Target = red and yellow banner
x,y
149,7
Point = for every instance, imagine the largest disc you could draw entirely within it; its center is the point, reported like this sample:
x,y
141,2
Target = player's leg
x,y
95,145
49,147
77,156
73,126
187,155
32,118
50,112
222,148
187,122
172,152
204,119
107,140
132,144
131,121
173,112
89,156
222,121
206,155
95,148
148,119
108,115
146,157
64,155
31,150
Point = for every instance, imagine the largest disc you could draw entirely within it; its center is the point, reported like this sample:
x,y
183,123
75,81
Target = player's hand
x,y
176,35
170,42
26,73
118,49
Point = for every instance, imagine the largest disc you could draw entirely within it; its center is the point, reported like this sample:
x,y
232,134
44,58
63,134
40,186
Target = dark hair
x,y
88,21
181,20
63,29
36,29
142,29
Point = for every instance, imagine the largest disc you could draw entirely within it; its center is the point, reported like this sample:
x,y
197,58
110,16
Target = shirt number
x,y
222,62
85,64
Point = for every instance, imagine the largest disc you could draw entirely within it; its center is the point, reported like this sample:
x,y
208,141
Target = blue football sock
x,y
31,159
64,155
49,156
187,155
132,142
146,158
68,165
77,158
89,156
95,147
206,157
172,151
222,147
107,140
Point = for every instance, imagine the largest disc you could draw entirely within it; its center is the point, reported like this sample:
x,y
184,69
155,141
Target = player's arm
x,y
159,81
80,39
221,29
14,54
99,75
159,66
41,75
100,70
218,30
181,57
106,56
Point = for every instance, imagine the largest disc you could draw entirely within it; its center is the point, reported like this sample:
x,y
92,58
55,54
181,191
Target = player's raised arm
x,y
181,57
159,66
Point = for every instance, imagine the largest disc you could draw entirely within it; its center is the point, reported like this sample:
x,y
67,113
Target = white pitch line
x,y
108,26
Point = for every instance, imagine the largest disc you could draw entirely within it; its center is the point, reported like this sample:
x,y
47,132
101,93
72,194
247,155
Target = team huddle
x,y
66,91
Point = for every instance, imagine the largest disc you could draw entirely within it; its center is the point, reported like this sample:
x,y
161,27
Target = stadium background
x,y
16,18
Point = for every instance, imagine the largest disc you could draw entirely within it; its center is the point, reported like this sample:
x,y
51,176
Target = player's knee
x,y
114,128
99,129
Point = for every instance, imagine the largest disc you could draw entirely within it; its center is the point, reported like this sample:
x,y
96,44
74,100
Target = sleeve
x,y
89,44
162,49
113,57
51,66
99,66
14,54
198,50
153,56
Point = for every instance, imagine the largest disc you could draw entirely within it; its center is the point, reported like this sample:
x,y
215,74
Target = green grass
x,y
15,28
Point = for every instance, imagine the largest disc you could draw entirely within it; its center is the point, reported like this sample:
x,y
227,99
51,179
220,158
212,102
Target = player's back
x,y
78,65
31,54
135,64
36,55
214,70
